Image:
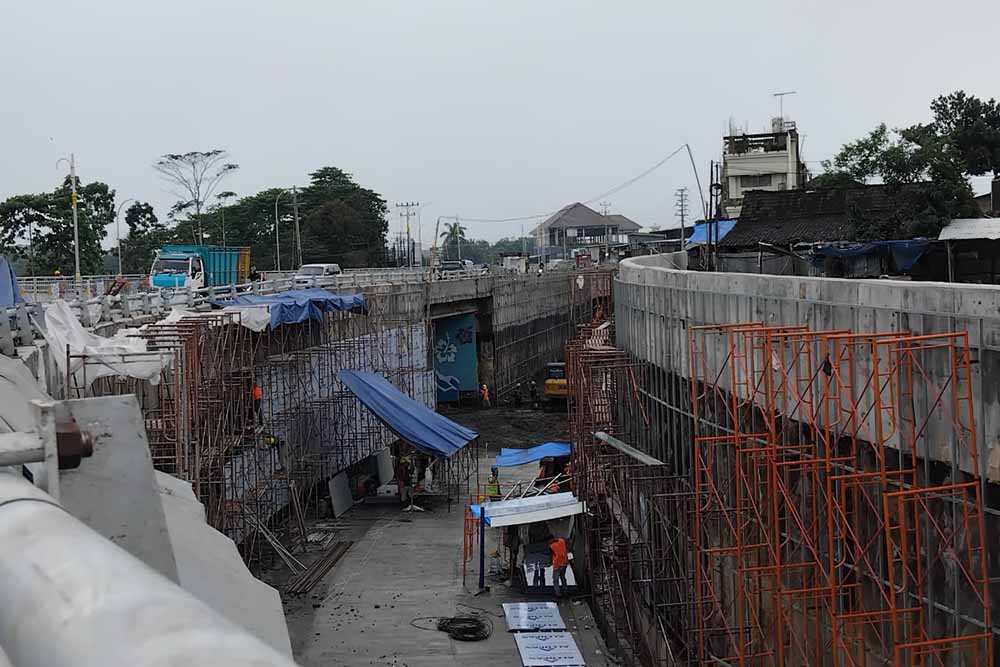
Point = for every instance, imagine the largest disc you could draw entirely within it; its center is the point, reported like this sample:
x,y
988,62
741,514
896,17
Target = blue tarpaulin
x,y
701,231
905,254
298,305
9,292
515,457
414,422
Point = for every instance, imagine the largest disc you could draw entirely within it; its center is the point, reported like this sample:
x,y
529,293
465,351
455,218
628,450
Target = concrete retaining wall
x,y
655,305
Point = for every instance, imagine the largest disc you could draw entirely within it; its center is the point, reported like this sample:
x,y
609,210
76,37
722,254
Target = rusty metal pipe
x,y
70,597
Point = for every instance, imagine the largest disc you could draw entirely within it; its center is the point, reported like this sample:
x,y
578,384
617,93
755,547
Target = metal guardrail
x,y
48,288
18,327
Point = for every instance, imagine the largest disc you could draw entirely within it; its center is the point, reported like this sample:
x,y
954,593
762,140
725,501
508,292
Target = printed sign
x,y
533,616
456,366
541,649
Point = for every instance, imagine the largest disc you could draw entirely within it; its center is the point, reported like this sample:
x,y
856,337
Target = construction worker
x,y
257,396
533,392
560,561
484,396
493,484
517,395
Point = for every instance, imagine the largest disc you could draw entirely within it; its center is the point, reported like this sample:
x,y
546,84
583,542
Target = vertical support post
x,y
482,546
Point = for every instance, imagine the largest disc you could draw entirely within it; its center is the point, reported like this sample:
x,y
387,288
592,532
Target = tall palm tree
x,y
454,234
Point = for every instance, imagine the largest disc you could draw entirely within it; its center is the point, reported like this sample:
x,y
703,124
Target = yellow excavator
x,y
555,383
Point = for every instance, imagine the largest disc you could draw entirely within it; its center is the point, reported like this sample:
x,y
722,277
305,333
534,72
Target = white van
x,y
309,273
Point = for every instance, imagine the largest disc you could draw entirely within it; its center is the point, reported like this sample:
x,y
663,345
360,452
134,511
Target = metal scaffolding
x,y
253,463
823,533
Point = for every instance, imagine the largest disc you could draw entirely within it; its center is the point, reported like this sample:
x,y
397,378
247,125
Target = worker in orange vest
x,y
257,394
484,396
560,561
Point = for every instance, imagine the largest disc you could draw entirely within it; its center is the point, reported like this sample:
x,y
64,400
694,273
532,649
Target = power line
x,y
608,193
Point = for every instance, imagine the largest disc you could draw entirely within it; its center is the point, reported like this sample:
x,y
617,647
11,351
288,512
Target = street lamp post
x,y
118,233
277,246
76,226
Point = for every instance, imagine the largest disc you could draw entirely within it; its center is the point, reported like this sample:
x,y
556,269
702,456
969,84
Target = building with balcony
x,y
768,161
579,226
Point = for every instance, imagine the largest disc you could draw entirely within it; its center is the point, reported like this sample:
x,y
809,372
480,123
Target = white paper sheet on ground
x,y
533,616
548,649
118,355
340,494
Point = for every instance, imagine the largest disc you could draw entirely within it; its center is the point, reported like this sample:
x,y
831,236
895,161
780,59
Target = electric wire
x,y
607,193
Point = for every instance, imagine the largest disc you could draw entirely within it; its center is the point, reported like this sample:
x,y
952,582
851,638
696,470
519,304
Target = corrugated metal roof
x,y
971,228
807,216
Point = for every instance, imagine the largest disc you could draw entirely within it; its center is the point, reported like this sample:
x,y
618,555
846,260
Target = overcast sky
x,y
484,109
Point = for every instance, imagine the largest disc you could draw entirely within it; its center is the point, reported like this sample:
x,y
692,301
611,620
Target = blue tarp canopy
x,y
414,422
702,229
904,254
9,293
298,305
515,457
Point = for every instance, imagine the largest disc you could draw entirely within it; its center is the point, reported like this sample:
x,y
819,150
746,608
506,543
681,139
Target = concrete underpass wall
x,y
530,326
655,305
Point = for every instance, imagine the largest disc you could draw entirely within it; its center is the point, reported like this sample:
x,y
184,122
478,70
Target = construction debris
x,y
312,575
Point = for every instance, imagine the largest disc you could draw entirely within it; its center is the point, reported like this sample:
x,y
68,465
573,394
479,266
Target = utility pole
x,y
277,243
76,225
295,207
605,209
118,233
682,210
406,214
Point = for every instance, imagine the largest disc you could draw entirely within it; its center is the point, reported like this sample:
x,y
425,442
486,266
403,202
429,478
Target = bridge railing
x,y
40,289
20,325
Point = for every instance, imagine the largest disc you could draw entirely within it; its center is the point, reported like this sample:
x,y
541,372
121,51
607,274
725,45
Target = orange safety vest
x,y
560,554
485,393
257,393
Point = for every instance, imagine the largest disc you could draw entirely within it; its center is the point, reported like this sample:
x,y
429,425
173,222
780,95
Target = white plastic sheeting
x,y
118,355
255,318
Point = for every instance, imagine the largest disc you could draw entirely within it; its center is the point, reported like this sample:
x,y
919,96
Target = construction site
x,y
790,471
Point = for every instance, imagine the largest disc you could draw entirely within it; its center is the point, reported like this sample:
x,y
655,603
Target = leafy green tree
x,y
145,235
40,227
925,166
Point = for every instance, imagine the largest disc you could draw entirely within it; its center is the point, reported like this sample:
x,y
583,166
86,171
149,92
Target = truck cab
x,y
172,270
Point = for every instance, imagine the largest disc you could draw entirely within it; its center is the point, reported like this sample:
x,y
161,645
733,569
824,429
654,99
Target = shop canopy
x,y
297,305
515,457
414,422
518,511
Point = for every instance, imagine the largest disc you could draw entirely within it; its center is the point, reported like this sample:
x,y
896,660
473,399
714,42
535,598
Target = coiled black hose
x,y
464,628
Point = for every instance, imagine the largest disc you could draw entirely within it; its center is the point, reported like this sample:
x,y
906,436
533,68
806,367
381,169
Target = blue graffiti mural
x,y
456,367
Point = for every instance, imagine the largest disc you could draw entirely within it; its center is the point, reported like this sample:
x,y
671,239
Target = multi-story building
x,y
768,161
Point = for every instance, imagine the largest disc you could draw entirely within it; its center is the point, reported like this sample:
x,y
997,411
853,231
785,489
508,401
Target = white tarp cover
x,y
533,616
105,356
548,649
255,318
529,510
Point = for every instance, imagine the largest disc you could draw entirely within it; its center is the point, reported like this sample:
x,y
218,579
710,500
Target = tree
x,y
971,126
336,232
925,167
194,176
145,235
40,227
453,236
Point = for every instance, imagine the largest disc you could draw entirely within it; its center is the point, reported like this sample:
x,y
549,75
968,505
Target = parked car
x,y
309,273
